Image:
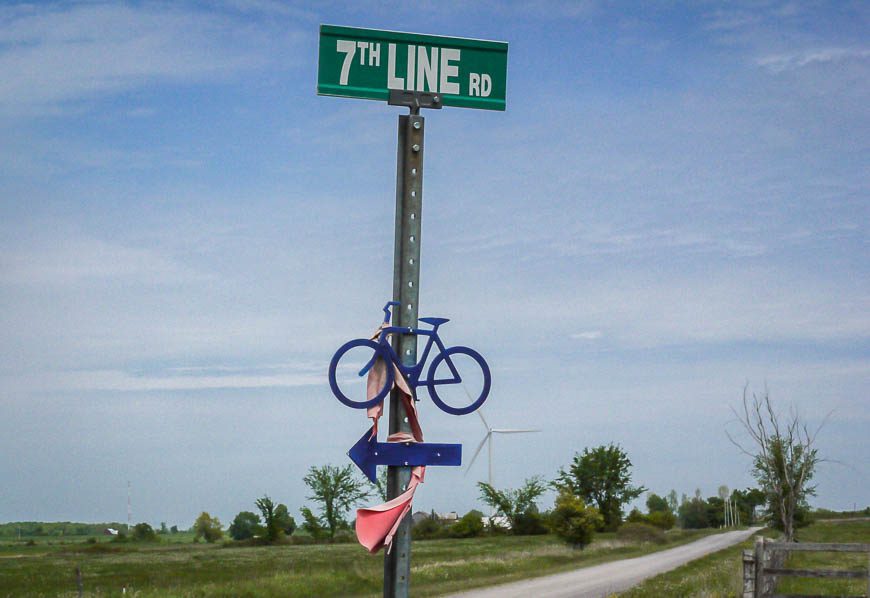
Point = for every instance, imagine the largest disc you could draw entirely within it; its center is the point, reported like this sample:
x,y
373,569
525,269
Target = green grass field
x,y
201,570
720,575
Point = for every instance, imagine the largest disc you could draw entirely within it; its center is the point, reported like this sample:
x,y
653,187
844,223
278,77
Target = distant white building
x,y
497,521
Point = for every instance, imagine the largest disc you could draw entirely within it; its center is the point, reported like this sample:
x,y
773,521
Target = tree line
x,y
592,493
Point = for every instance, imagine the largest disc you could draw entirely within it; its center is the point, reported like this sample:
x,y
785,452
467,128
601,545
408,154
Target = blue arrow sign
x,y
368,453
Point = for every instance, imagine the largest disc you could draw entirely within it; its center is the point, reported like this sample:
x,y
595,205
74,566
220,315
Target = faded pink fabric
x,y
375,382
376,526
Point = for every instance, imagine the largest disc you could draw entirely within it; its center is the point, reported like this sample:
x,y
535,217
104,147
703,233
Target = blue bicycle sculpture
x,y
450,366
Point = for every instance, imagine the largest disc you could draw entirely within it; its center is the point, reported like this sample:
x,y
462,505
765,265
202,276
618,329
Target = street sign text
x,y
368,63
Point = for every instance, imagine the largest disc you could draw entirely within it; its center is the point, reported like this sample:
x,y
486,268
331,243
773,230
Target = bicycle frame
x,y
379,344
412,372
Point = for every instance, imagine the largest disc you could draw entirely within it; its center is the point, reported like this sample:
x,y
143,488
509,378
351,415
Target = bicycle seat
x,y
434,322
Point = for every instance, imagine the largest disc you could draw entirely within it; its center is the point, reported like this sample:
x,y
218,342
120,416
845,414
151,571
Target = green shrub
x,y
312,526
245,525
637,517
663,520
693,514
640,533
469,525
573,521
428,528
285,520
530,523
142,532
208,528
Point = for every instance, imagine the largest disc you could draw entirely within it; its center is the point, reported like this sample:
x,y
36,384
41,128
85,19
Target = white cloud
x,y
778,63
73,52
659,308
587,335
73,260
288,376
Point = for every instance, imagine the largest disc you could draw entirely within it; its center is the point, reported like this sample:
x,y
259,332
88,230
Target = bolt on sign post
x,y
415,71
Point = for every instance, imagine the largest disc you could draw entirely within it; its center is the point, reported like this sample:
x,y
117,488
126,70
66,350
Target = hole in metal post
x,y
413,172
412,239
413,216
411,284
411,261
413,194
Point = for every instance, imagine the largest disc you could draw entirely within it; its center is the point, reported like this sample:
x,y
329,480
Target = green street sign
x,y
368,63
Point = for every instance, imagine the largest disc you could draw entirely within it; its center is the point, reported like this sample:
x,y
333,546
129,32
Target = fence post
x,y
80,585
748,574
758,588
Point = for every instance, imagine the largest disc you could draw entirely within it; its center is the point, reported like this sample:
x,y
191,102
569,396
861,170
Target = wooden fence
x,y
763,566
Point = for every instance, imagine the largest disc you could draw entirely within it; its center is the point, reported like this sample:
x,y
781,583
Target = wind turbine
x,y
487,440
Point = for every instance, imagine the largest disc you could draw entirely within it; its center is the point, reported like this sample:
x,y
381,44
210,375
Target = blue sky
x,y
673,205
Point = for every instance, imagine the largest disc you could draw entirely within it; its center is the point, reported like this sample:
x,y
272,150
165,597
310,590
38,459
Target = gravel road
x,y
616,576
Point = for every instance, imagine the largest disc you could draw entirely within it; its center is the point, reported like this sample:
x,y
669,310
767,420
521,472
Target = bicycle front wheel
x,y
349,369
459,380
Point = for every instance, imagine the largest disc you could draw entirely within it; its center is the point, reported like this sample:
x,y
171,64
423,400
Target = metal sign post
x,y
416,71
406,290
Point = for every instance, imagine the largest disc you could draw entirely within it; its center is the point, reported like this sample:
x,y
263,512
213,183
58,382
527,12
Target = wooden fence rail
x,y
763,566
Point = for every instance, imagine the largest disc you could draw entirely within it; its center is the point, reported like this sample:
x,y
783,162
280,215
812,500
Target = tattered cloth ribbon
x,y
375,382
376,526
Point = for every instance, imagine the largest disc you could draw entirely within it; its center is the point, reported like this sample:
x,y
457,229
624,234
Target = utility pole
x,y
129,510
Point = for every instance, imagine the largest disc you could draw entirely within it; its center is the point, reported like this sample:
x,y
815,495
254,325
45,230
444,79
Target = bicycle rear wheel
x,y
348,373
459,380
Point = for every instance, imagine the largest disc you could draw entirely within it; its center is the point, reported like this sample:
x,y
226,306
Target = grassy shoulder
x,y
719,575
187,570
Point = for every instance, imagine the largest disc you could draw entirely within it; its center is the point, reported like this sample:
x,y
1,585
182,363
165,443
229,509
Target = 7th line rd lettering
x,y
424,71
365,63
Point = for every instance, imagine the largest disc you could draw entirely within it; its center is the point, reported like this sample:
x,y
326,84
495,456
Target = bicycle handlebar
x,y
387,314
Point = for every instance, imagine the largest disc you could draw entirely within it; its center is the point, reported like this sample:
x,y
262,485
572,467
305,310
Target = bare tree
x,y
784,457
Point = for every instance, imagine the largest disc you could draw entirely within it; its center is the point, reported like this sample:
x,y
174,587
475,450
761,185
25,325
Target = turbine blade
x,y
477,452
513,431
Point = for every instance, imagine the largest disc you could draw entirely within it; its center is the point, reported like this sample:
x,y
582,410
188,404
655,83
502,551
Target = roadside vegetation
x,y
229,568
720,575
